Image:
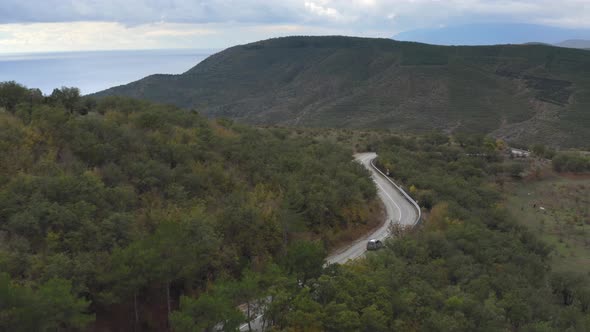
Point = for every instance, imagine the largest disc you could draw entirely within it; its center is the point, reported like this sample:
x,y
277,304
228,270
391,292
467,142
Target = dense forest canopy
x,y
122,203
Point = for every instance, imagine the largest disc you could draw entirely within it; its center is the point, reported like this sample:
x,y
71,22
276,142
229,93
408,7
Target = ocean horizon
x,y
93,71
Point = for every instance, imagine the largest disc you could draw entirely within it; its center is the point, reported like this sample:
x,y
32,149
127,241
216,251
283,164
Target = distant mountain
x,y
492,34
525,93
575,43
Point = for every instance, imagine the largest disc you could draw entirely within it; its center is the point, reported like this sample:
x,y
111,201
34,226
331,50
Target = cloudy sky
x,y
64,25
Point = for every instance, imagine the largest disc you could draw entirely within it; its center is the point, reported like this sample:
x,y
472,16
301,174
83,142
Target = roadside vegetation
x,y
571,162
140,216
470,267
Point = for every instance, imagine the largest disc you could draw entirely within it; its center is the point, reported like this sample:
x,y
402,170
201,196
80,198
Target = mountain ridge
x,y
525,93
575,43
493,34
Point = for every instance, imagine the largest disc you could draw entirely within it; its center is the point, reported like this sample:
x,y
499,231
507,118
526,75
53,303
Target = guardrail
x,y
406,196
244,327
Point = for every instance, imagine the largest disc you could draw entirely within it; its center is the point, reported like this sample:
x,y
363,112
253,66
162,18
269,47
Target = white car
x,y
374,244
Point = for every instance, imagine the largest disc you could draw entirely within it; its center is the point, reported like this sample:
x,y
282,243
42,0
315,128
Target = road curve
x,y
398,207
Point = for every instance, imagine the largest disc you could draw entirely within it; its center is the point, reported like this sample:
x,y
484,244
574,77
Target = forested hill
x,y
524,93
122,215
112,210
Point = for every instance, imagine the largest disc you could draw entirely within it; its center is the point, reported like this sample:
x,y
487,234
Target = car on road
x,y
374,244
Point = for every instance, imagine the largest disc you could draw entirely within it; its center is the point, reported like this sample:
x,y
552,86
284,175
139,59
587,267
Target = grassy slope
x,y
565,222
525,93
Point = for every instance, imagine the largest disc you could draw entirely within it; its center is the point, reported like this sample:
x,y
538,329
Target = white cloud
x,y
366,3
99,24
288,11
176,30
39,37
89,36
324,11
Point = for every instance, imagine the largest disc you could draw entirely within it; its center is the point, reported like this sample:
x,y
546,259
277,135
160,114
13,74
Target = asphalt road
x,y
398,210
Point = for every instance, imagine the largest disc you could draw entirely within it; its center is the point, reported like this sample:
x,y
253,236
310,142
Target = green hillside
x,y
124,215
524,93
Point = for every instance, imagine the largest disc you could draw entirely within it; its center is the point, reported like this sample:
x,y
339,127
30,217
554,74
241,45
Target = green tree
x,y
185,249
516,170
205,313
565,285
339,318
304,260
11,94
132,269
248,290
372,319
51,307
68,97
61,307
304,313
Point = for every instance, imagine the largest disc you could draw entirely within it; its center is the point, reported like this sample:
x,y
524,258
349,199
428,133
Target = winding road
x,y
399,208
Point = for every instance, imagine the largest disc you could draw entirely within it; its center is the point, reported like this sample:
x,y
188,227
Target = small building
x,y
518,153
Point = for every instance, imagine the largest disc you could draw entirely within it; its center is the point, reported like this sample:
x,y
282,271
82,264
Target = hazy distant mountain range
x,y
524,93
499,33
575,43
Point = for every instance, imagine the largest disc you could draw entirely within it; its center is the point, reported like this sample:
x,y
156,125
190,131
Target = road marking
x,y
376,176
355,254
391,199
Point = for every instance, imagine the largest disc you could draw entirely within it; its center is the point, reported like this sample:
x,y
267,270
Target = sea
x,y
94,71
